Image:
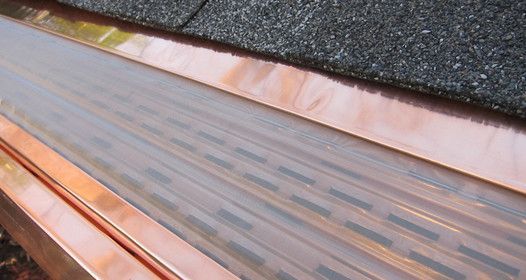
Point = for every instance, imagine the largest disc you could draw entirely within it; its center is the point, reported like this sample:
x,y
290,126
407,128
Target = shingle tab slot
x,y
182,144
250,155
132,181
436,266
167,203
158,176
211,138
247,253
152,129
352,200
330,274
282,275
488,260
219,161
103,163
517,240
284,214
296,175
234,219
178,123
201,225
101,142
310,205
261,182
369,234
413,227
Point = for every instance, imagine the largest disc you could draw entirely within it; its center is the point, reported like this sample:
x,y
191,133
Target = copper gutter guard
x,y
470,140
151,243
331,204
84,192
66,244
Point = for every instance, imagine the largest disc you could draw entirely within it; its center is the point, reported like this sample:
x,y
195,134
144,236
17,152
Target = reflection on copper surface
x,y
148,240
99,255
468,139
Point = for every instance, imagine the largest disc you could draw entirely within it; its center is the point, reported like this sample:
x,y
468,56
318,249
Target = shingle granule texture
x,y
165,14
472,51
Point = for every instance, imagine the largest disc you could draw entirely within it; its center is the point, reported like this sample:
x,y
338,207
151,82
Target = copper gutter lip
x,y
169,256
91,252
467,139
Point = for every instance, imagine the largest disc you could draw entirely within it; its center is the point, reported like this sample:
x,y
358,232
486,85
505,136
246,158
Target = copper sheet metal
x,y
167,254
468,139
264,193
87,251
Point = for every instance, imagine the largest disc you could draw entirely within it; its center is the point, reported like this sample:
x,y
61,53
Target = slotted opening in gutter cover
x,y
263,193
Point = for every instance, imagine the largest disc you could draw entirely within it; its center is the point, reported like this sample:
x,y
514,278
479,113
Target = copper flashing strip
x,y
66,244
152,243
467,139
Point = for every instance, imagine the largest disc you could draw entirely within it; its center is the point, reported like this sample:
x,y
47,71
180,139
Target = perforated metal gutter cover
x,y
259,170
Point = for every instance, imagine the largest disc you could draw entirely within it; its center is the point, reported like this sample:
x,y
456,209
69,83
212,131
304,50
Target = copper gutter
x,y
65,243
149,242
462,137
476,214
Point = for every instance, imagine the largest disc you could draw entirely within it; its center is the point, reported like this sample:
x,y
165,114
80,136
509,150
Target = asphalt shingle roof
x,y
472,51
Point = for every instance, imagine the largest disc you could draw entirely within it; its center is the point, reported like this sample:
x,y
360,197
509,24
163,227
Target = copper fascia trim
x,y
35,240
159,249
66,244
470,140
